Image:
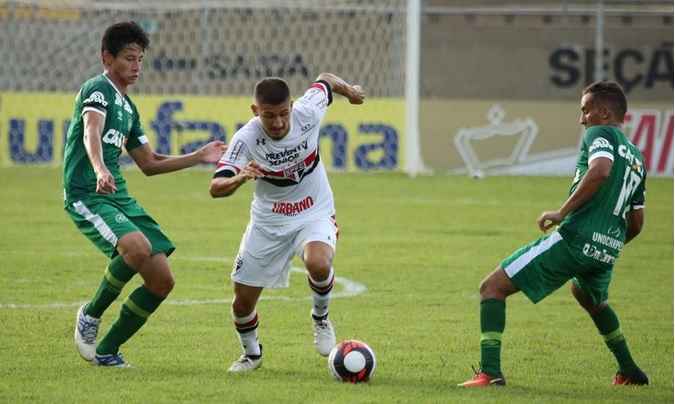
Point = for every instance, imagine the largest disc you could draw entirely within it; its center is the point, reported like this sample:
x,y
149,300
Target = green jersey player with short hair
x,y
104,121
604,211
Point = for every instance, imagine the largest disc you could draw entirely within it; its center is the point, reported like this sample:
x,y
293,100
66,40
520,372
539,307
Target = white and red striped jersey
x,y
295,187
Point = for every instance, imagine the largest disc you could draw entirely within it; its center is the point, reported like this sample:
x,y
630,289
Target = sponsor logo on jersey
x,y
600,143
236,150
260,141
614,232
597,254
307,127
632,159
608,241
114,137
292,208
120,218
96,97
127,107
118,100
286,156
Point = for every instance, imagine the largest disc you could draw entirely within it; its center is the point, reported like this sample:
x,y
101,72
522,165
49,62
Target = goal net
x,y
208,47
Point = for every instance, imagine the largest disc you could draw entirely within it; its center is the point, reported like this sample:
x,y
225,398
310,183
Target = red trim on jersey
x,y
320,86
309,160
222,166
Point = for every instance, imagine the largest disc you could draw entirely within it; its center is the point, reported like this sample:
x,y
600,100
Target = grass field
x,y
420,247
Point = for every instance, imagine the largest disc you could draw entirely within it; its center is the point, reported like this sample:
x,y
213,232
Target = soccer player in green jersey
x,y
604,211
96,197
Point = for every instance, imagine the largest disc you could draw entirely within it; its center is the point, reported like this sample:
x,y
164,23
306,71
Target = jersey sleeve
x,y
235,158
600,143
136,134
314,103
638,201
95,98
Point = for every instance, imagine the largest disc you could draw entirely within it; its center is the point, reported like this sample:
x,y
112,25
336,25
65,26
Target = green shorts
x,y
104,220
543,266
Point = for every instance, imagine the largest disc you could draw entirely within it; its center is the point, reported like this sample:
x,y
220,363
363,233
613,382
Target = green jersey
x,y
122,128
598,228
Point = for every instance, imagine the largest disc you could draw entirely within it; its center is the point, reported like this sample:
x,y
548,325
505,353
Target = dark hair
x,y
272,91
611,95
118,36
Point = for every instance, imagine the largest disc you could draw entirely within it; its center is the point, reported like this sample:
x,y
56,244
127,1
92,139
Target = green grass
x,y
421,246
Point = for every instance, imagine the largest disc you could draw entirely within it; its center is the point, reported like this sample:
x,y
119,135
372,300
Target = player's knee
x,y
485,288
242,307
162,285
318,267
137,252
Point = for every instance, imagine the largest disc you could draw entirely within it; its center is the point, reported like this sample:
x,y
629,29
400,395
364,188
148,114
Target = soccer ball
x,y
352,361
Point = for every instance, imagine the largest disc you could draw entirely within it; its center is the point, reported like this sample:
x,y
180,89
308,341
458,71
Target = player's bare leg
x,y
136,251
246,323
608,325
318,258
494,290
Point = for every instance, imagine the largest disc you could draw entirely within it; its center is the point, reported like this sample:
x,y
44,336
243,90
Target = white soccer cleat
x,y
245,364
86,330
324,336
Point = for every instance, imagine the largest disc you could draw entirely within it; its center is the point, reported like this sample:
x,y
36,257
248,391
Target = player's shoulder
x,y
603,136
98,82
250,131
98,90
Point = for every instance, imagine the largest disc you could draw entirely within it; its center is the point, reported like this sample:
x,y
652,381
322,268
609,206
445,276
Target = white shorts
x,y
266,252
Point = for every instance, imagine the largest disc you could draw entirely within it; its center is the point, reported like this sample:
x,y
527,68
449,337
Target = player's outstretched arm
x,y
354,93
152,163
597,173
93,127
225,186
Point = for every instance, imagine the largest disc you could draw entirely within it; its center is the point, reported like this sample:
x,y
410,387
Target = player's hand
x,y
356,95
211,152
549,219
252,171
105,182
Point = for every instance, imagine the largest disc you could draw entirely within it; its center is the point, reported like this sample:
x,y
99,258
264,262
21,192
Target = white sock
x,y
247,329
321,294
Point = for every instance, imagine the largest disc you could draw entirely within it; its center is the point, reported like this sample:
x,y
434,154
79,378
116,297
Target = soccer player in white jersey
x,y
292,212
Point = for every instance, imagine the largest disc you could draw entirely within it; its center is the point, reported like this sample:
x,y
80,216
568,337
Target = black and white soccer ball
x,y
352,361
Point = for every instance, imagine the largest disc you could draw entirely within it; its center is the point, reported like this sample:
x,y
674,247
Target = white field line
x,y
349,288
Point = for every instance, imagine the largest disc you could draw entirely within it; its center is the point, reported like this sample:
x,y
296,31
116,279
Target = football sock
x,y
321,295
492,322
135,311
608,325
115,277
247,329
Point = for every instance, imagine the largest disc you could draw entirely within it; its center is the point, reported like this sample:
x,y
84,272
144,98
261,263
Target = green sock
x,y
116,276
492,322
608,325
134,313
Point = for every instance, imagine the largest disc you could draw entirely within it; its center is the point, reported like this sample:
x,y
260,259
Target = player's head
x,y
603,103
272,104
122,49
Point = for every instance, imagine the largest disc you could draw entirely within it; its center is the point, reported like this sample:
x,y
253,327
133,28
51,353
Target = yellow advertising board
x,y
364,137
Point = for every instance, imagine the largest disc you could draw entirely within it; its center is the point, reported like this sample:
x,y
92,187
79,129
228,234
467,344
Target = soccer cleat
x,y
86,330
110,360
638,378
324,336
246,363
482,379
